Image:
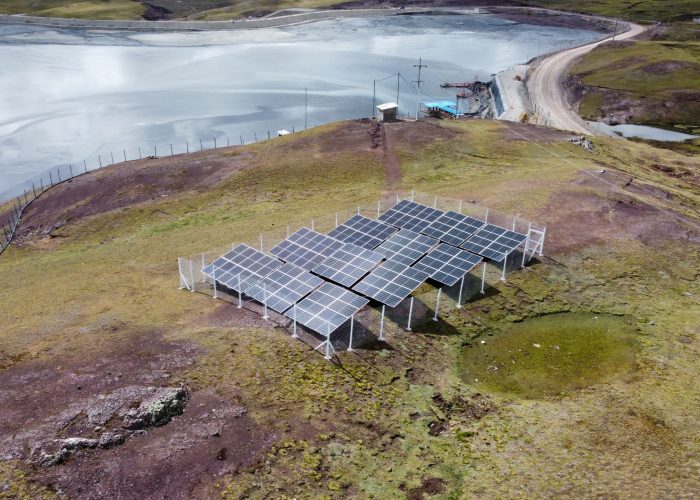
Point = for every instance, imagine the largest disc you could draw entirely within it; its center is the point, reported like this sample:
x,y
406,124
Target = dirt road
x,y
547,94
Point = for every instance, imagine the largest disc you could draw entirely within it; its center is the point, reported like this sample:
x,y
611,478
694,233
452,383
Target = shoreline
x,y
539,16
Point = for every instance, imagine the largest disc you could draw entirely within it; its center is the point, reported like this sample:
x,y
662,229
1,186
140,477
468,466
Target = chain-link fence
x,y
374,324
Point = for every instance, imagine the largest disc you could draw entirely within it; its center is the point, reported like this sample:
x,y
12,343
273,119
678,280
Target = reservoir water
x,y
71,95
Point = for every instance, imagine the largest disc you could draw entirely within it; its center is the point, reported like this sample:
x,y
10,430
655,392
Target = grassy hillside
x,y
91,9
644,10
647,81
90,298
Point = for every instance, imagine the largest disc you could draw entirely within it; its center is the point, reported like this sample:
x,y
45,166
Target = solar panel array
x,y
391,283
362,231
453,228
306,248
348,264
242,266
494,242
406,246
327,308
447,264
351,255
410,215
283,287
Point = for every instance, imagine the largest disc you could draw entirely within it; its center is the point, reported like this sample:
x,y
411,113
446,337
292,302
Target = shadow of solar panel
x,y
453,228
391,283
348,264
410,215
362,231
447,264
406,246
242,266
283,287
494,242
306,248
327,308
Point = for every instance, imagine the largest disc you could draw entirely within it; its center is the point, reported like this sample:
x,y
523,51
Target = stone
x,y
157,409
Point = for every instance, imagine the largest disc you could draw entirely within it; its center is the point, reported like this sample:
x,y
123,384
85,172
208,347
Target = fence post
x,y
155,150
201,146
268,135
228,142
112,156
58,171
241,140
85,165
99,158
70,167
25,197
171,150
41,180
33,190
125,156
50,178
255,134
214,142
187,145
140,157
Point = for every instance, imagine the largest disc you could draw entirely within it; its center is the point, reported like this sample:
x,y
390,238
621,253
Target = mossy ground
x,y
385,420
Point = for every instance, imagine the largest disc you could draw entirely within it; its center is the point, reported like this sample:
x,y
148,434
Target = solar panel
x,y
410,215
244,265
348,264
453,228
327,308
283,287
306,248
406,246
494,242
362,231
391,283
447,264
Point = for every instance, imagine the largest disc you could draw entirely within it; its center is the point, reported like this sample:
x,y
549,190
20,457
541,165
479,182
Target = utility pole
x,y
420,66
398,87
306,103
374,97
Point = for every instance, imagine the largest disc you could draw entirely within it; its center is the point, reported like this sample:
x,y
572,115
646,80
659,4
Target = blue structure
x,y
448,107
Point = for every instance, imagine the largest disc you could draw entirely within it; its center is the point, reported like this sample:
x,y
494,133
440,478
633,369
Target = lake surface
x,y
642,132
71,95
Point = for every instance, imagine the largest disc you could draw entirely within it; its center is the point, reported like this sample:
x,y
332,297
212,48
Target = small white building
x,y
388,112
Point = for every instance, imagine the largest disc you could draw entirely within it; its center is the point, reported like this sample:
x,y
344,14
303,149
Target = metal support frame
x,y
483,278
352,327
294,322
459,298
435,202
216,294
261,243
381,323
312,224
240,292
410,313
336,219
460,207
265,316
437,304
204,277
329,350
505,264
379,208
413,194
192,275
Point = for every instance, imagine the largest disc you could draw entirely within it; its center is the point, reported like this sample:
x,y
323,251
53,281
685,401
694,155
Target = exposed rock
x,y
157,409
582,141
110,439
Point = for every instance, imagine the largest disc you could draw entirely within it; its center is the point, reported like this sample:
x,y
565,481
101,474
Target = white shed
x,y
388,112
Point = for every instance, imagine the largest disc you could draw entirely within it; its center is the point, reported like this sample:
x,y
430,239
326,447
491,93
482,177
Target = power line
x,y
420,66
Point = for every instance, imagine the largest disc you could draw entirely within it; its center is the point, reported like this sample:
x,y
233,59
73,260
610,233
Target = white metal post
x,y
459,298
328,341
336,219
483,278
261,243
287,230
544,231
240,293
381,324
204,278
460,206
413,194
505,262
294,320
352,327
312,224
179,269
437,304
378,208
265,316
358,209
486,217
435,202
397,198
216,293
192,274
513,223
527,244
410,313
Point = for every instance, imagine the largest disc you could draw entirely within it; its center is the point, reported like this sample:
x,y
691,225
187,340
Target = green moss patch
x,y
550,355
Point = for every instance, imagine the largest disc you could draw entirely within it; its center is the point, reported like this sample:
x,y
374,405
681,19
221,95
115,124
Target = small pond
x,y
641,132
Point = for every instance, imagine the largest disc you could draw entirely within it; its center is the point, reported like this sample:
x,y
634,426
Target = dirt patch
x,y
112,425
392,166
430,486
155,12
414,136
127,184
664,67
576,219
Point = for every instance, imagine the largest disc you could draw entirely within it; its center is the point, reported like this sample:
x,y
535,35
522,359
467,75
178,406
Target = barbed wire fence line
x,y
10,218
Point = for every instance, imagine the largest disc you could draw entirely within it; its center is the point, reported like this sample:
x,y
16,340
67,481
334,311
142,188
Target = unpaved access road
x,y
545,89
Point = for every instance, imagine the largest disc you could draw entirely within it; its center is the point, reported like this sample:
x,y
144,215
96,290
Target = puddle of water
x,y
550,355
642,132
